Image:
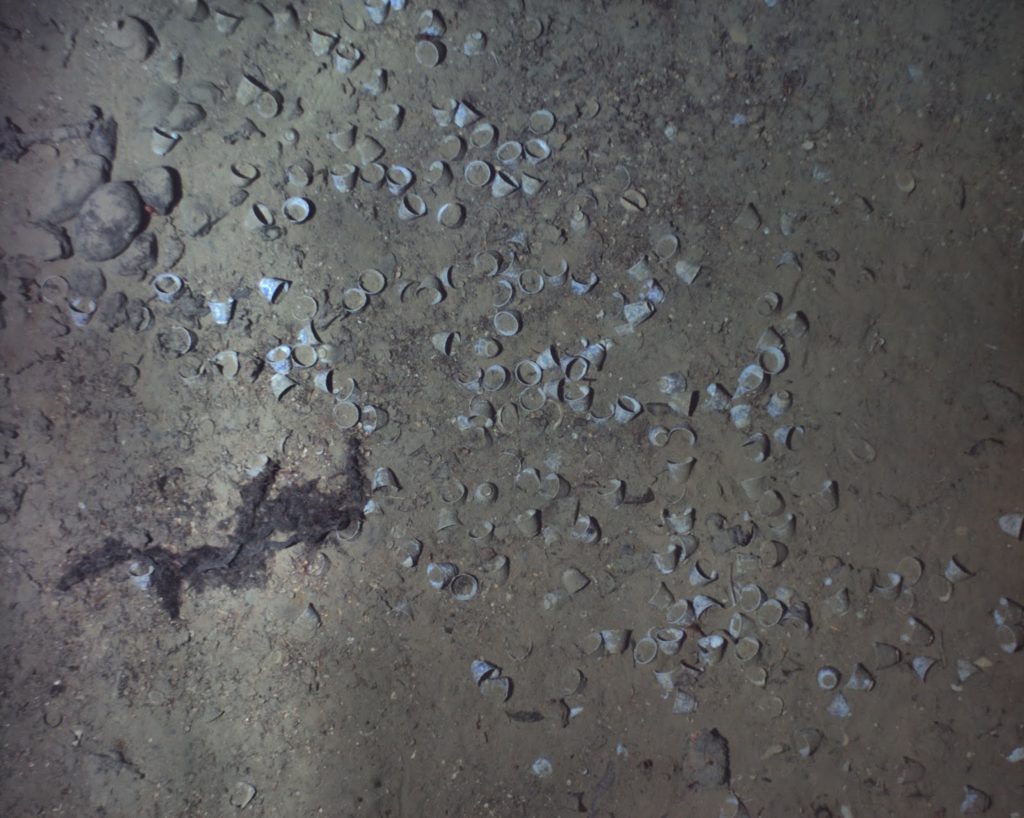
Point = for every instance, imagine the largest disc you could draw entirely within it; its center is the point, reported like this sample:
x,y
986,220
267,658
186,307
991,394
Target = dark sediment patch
x,y
264,523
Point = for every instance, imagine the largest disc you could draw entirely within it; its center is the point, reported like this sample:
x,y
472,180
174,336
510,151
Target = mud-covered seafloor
x,y
831,189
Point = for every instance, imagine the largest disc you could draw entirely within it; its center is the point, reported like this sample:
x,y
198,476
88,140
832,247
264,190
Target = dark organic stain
x,y
301,513
525,716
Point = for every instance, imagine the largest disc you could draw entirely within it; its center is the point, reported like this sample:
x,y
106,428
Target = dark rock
x,y
139,258
238,197
71,186
87,282
108,221
707,760
103,138
158,188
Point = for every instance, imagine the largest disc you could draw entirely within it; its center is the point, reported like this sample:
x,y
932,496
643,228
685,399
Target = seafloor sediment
x,y
511,409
